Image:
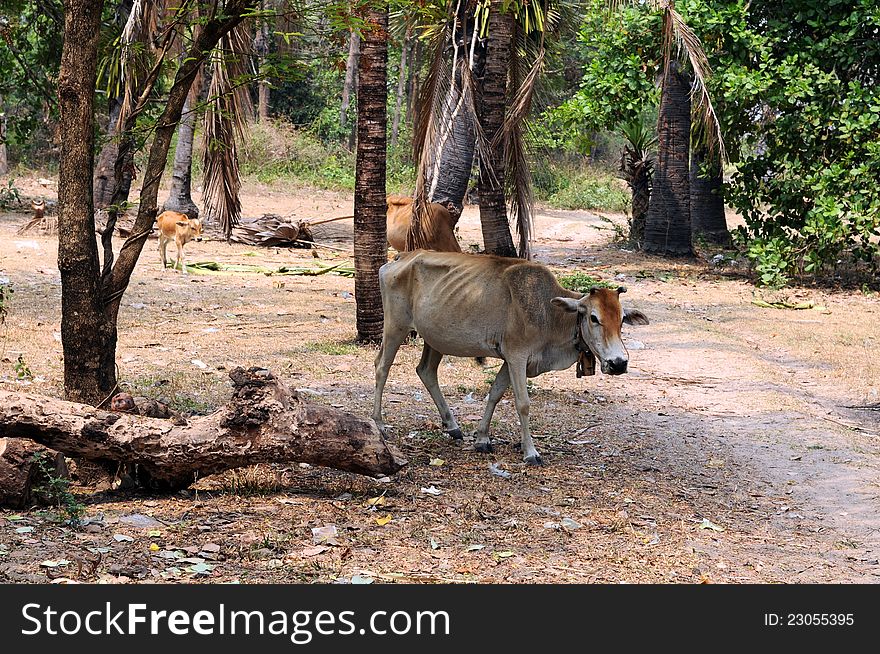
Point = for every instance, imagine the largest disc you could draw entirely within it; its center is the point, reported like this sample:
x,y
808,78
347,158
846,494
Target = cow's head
x,y
599,319
190,229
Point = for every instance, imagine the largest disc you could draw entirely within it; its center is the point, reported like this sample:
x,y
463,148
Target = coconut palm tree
x,y
474,93
370,208
683,94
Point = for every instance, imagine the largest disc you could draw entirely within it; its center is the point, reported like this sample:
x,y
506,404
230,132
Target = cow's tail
x,y
480,361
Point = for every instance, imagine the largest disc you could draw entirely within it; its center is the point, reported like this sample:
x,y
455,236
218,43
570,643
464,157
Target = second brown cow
x,y
439,225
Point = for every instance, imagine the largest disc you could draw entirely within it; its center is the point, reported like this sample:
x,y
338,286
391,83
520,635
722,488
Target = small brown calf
x,y
181,229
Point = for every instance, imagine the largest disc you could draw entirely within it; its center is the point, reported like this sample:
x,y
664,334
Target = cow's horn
x,y
621,289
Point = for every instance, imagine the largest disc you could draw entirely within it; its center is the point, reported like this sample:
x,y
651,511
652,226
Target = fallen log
x,y
24,467
264,422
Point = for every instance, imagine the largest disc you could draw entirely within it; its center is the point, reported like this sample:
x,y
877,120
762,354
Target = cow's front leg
x,y
392,339
427,371
180,260
496,392
521,394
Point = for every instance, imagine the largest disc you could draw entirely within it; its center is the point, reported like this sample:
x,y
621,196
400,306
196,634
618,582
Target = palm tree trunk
x,y
261,46
668,223
493,104
450,171
707,199
351,71
370,207
4,157
88,338
105,175
401,90
180,196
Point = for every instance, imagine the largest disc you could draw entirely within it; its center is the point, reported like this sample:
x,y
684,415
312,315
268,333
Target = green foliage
x,y
577,185
332,347
580,282
5,295
57,490
618,80
30,55
806,183
22,370
10,196
279,151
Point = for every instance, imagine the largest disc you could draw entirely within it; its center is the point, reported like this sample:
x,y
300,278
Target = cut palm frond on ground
x,y
344,269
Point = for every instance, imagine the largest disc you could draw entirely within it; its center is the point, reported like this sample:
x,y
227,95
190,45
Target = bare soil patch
x,y
728,453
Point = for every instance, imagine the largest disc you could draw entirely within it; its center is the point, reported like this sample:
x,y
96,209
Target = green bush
x,y
279,151
578,185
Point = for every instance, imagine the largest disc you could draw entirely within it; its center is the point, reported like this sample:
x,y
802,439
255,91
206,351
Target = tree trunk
x,y
88,338
105,166
707,200
261,46
180,196
493,104
370,206
401,89
23,468
264,422
4,157
450,171
668,223
351,72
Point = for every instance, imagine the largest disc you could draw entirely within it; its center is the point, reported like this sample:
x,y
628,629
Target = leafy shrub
x,y
578,185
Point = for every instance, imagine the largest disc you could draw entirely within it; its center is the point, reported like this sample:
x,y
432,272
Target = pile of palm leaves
x,y
271,230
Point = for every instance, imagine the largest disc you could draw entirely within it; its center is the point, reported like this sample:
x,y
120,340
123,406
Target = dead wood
x,y
264,422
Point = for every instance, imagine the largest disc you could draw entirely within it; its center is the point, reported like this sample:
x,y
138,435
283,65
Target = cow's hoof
x,y
534,460
456,434
483,446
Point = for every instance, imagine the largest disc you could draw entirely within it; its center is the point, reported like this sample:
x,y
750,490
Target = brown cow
x,y
438,225
486,306
180,228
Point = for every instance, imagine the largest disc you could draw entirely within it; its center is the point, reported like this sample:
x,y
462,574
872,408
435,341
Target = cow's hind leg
x,y
391,342
496,392
521,394
427,371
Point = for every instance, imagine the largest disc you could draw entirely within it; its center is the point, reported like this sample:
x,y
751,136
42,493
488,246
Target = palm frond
x,y
525,73
229,105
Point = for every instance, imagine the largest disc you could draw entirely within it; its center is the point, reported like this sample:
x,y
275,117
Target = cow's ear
x,y
566,304
634,317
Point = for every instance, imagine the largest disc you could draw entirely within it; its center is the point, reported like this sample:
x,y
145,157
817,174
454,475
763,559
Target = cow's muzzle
x,y
614,366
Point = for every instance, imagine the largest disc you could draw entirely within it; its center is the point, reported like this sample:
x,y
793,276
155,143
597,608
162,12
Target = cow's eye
x,y
594,319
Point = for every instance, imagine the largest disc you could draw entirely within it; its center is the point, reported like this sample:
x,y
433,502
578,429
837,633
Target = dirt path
x,y
727,454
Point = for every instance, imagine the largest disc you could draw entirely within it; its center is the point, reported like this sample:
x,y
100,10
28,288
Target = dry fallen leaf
x,y
314,551
708,524
376,501
436,462
383,521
